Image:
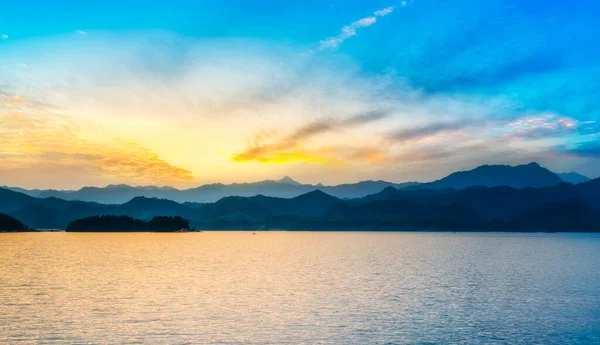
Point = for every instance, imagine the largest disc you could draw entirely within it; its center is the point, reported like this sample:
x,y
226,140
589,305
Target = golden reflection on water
x,y
284,287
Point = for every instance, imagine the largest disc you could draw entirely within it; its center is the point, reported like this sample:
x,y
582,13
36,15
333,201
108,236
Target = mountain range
x,y
284,188
446,204
530,175
520,176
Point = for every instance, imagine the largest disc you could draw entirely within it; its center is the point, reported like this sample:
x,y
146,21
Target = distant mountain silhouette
x,y
283,188
289,180
145,208
499,203
520,176
55,213
557,207
256,211
572,177
363,188
574,214
10,224
11,200
43,217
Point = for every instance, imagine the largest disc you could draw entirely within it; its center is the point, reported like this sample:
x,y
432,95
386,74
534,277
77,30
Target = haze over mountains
x,y
573,177
499,198
530,175
284,188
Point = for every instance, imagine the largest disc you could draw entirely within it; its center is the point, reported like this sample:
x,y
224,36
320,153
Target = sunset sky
x,y
184,93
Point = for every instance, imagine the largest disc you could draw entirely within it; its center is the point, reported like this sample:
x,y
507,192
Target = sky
x,y
184,93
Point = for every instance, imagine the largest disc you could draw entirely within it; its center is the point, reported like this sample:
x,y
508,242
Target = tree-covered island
x,y
128,224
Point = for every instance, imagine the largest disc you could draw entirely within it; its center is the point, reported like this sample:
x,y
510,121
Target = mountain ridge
x,y
500,208
573,177
285,187
520,176
460,200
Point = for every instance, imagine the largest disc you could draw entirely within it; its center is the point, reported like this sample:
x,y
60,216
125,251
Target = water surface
x,y
300,288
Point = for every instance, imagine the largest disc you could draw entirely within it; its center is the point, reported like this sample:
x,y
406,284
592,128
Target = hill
x,y
520,176
571,215
55,213
573,177
559,207
283,188
10,224
495,203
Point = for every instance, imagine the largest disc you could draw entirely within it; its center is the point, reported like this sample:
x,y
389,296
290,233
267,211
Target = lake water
x,y
300,288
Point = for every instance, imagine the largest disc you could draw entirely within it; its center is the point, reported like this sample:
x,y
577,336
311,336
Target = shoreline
x,y
309,231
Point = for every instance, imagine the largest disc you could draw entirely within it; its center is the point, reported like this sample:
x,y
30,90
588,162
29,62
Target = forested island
x,y
110,223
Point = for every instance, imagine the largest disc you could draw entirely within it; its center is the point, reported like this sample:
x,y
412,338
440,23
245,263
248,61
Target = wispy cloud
x,y
384,12
585,150
36,143
349,31
183,103
295,156
415,133
289,148
543,125
4,36
11,101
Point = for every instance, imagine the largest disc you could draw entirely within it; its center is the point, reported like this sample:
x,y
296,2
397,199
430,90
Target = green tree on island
x,y
111,223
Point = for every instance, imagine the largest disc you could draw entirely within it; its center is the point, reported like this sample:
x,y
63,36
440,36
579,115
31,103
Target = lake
x,y
300,288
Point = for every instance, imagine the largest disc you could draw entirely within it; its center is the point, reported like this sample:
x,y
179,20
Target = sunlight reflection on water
x,y
300,288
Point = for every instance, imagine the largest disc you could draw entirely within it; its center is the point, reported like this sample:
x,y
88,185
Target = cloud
x,y
296,156
289,148
384,12
135,162
151,75
529,127
329,125
204,106
585,150
363,23
350,30
542,126
202,94
81,32
424,156
543,66
545,121
4,37
12,101
43,142
415,133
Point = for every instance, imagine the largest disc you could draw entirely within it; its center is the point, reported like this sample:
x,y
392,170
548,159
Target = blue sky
x,y
480,81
